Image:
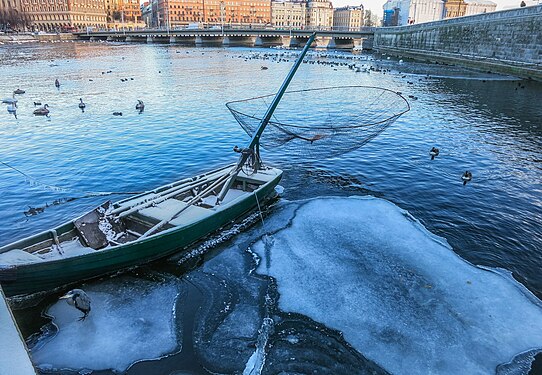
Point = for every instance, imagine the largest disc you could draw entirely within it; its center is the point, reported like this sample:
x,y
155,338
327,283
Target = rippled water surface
x,y
488,124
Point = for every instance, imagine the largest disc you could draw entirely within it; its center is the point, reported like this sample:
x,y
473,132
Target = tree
x,y
370,19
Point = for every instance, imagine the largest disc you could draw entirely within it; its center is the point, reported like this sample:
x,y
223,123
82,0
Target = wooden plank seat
x,y
166,209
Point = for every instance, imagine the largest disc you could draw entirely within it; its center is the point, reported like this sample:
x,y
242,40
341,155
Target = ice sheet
x,y
399,294
130,320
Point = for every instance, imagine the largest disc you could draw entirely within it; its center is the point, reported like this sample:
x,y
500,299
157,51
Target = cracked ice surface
x,y
131,320
399,294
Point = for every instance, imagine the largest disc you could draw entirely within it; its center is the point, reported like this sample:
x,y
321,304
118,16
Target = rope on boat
x,y
35,182
39,209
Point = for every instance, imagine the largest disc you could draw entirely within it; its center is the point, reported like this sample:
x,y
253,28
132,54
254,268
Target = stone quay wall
x,y
508,41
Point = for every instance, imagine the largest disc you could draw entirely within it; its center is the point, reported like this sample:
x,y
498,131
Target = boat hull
x,y
37,277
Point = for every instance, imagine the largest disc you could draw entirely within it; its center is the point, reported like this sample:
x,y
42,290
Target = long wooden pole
x,y
255,140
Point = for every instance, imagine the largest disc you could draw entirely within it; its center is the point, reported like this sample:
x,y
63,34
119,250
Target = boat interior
x,y
112,224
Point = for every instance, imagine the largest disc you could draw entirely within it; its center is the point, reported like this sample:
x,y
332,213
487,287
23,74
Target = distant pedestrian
x,y
522,4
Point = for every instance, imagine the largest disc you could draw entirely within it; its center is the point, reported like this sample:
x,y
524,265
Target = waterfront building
x,y
455,8
348,18
11,15
288,14
65,15
200,13
146,13
479,6
408,12
319,15
123,13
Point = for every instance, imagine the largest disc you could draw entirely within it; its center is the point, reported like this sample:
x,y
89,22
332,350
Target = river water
x,y
488,124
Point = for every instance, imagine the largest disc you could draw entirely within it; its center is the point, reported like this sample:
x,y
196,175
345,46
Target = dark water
x,y
488,124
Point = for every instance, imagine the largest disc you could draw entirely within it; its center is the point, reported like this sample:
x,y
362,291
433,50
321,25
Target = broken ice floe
x,y
131,320
398,293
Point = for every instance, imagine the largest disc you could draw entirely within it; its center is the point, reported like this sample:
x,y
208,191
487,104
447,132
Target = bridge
x,y
362,39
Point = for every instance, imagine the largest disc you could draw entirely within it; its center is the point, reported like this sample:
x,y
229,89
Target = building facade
x,y
349,18
11,15
288,14
64,15
197,13
319,15
455,8
479,6
123,13
408,12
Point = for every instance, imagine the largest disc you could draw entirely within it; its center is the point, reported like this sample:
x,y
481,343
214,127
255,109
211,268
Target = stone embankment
x,y
508,41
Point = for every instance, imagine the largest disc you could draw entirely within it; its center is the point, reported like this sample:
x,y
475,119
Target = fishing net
x,y
322,122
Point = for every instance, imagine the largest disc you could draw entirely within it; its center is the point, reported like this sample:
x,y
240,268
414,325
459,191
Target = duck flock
x,y
355,63
43,110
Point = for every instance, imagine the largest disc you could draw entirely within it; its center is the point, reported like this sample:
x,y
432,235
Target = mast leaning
x,y
253,147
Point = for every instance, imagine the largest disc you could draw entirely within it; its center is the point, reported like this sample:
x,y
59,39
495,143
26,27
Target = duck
x,y
466,177
140,106
264,68
81,104
42,111
19,92
57,83
434,152
117,113
36,104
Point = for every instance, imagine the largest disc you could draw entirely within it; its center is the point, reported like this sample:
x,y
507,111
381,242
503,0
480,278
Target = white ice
x,y
399,294
131,320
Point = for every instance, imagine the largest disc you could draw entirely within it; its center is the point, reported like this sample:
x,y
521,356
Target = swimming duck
x,y
82,105
57,83
434,152
264,68
140,105
117,113
42,111
466,177
19,92
36,104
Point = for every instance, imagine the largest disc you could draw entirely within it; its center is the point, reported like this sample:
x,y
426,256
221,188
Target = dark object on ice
x,y
78,299
117,113
19,92
466,177
57,83
37,103
264,68
434,152
82,105
140,106
522,4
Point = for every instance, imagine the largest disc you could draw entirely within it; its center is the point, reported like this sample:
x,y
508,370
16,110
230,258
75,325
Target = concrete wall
x,y
508,41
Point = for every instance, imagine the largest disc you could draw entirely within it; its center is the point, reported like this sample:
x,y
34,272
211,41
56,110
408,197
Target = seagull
x,y
80,300
10,100
466,177
82,105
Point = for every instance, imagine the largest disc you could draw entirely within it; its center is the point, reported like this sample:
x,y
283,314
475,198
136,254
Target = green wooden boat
x,y
146,227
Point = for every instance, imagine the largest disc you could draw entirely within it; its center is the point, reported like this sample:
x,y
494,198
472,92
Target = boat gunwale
x,y
122,247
